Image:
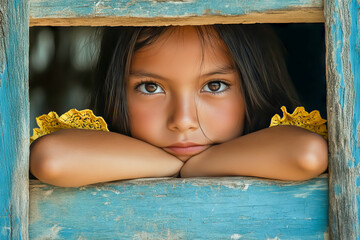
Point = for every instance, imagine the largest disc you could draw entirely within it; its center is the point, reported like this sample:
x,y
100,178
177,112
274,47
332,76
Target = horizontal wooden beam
x,y
168,208
171,12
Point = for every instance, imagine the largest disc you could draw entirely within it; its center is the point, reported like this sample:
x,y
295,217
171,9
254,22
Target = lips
x,y
186,148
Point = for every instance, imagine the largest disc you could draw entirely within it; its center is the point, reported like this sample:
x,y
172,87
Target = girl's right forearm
x,y
75,157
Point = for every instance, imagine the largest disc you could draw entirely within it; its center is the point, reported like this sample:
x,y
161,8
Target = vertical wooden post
x,y
14,119
343,83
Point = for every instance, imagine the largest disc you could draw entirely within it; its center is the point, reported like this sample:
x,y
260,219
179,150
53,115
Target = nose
x,y
183,114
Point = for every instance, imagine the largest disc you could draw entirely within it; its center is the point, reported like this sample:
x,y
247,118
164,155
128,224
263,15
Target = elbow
x,y
312,159
44,163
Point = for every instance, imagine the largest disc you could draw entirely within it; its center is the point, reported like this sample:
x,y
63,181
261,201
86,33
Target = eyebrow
x,y
139,73
221,70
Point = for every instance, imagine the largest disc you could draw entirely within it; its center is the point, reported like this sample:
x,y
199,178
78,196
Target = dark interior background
x,y
62,60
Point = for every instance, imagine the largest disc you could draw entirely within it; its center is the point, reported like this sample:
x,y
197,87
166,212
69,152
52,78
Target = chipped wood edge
x,y
198,181
309,15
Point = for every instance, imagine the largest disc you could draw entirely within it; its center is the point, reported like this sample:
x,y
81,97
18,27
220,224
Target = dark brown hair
x,y
256,51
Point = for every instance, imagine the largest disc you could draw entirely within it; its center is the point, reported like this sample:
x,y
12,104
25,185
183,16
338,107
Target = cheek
x,y
222,120
145,120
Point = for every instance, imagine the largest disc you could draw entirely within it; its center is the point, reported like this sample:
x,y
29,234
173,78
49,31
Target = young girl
x,y
184,101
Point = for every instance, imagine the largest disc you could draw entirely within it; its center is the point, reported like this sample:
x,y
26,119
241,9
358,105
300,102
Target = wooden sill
x,y
194,208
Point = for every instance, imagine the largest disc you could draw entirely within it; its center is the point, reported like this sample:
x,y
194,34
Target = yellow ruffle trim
x,y
310,121
84,119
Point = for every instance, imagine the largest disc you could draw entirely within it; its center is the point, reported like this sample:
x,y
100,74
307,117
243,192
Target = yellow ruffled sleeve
x,y
310,121
84,119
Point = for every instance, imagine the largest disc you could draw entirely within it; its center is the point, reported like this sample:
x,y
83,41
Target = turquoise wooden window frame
x,y
178,208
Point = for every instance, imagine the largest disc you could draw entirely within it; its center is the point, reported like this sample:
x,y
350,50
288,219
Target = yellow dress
x,y
85,119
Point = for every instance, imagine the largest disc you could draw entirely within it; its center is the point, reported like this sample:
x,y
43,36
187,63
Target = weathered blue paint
x,y
337,189
355,65
203,208
14,111
158,8
337,32
343,76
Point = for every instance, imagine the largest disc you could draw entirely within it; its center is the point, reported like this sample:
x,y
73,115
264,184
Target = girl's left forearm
x,y
283,152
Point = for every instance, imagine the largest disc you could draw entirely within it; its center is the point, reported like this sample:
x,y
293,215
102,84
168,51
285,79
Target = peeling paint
x,y
275,238
161,195
309,190
112,190
3,26
206,11
51,233
337,190
245,187
149,235
235,236
343,100
174,1
326,236
6,231
156,209
48,193
358,131
98,3
14,124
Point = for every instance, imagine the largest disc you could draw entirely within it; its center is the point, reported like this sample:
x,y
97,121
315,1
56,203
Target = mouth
x,y
186,149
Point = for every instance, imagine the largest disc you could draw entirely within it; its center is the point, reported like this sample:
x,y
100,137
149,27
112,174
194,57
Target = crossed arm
x,y
76,157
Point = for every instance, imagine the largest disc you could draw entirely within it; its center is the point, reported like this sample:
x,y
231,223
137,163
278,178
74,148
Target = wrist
x,y
194,166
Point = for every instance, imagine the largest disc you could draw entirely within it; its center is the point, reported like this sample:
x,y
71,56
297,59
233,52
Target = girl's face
x,y
183,95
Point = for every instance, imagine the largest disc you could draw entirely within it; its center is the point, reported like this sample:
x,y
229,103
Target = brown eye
x,y
215,87
149,88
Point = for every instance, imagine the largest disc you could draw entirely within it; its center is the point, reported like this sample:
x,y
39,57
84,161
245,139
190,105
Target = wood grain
x,y
343,81
168,208
159,13
14,119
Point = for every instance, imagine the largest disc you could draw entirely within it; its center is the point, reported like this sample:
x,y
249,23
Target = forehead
x,y
188,43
